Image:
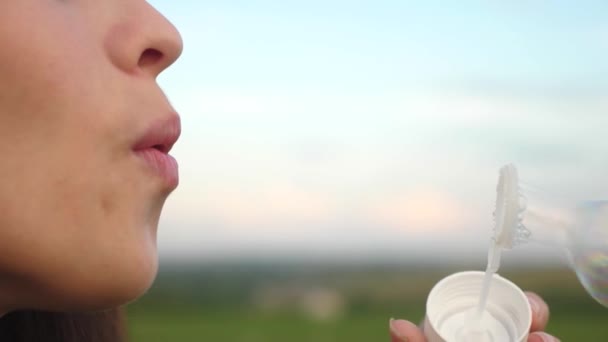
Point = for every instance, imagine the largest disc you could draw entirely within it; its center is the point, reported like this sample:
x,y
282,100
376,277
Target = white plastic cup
x,y
510,312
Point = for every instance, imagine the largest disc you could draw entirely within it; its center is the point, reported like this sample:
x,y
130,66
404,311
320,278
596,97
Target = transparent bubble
x,y
536,215
588,249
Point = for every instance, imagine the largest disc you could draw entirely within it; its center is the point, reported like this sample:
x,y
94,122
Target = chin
x,y
121,272
93,287
129,280
123,287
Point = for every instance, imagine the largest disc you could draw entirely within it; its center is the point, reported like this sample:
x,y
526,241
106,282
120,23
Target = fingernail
x,y
395,332
535,305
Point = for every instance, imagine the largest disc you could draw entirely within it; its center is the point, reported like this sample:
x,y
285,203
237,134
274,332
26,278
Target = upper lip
x,y
161,135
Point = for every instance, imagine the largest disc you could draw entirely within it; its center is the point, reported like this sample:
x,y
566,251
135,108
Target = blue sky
x,y
347,129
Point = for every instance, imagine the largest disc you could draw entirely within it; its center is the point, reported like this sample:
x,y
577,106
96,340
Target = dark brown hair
x,y
35,326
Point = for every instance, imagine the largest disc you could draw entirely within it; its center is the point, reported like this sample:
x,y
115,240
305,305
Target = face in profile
x,y
85,133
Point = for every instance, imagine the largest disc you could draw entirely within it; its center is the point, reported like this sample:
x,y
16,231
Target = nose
x,y
144,41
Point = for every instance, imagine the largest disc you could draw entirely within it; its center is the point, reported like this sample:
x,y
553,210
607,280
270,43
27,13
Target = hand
x,y
405,331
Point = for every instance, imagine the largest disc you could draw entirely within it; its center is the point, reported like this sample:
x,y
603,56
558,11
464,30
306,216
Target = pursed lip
x,y
161,135
154,145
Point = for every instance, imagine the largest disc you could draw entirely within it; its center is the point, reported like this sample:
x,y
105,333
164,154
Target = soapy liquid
x,y
479,325
488,329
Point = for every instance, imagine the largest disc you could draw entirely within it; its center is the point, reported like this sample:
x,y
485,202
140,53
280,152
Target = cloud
x,y
278,171
423,211
274,206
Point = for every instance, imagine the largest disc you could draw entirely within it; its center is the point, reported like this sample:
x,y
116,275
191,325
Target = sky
x,y
353,130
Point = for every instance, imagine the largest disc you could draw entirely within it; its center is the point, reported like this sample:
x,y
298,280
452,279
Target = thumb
x,y
405,331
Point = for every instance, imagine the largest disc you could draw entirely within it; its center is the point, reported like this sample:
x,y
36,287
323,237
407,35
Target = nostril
x,y
149,57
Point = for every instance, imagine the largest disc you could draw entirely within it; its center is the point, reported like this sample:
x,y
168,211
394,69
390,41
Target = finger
x,y
405,331
542,337
540,312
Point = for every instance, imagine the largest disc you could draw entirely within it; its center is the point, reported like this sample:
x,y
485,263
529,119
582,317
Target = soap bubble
x,y
526,213
588,249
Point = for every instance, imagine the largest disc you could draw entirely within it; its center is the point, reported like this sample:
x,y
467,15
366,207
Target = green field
x,y
215,304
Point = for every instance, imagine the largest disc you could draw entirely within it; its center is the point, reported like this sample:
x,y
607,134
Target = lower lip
x,y
162,164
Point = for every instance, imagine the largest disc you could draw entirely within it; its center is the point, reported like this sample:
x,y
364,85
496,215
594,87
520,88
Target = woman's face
x,y
84,135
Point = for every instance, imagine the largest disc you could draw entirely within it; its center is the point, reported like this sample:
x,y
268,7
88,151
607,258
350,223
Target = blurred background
x,y
338,158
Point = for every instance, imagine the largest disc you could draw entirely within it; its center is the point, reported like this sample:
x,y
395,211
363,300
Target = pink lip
x,y
154,145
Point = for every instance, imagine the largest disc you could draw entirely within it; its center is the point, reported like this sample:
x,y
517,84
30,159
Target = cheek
x,y
78,219
91,250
